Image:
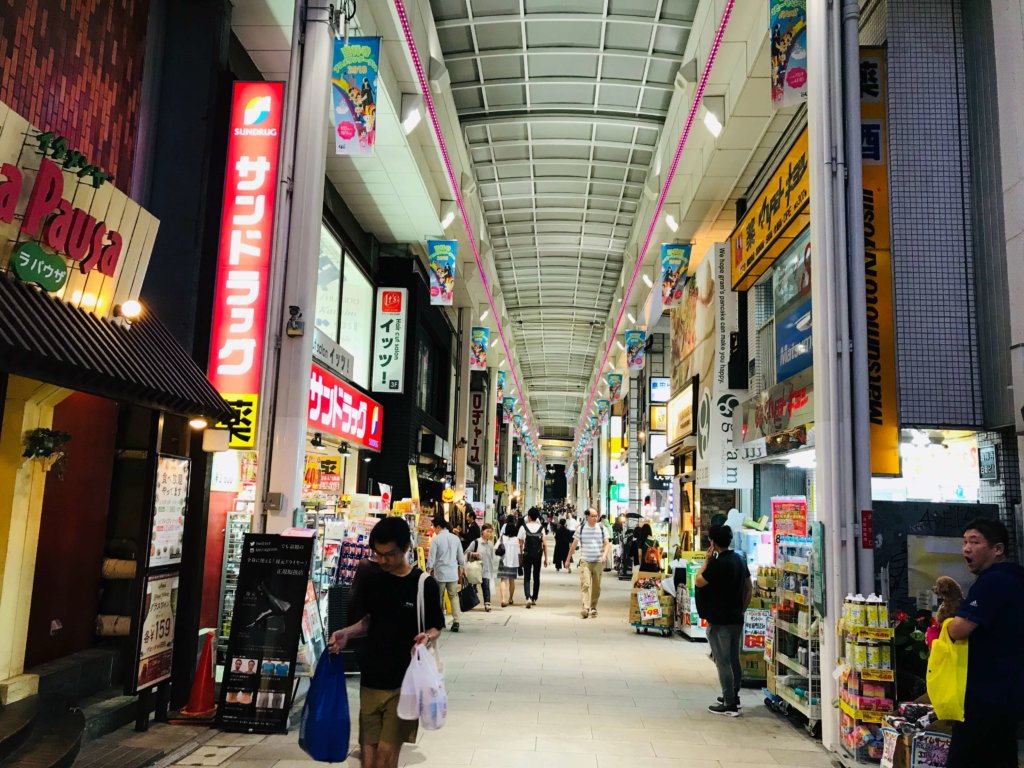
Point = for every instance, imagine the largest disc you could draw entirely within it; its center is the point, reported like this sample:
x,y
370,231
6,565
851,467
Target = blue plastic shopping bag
x,y
324,730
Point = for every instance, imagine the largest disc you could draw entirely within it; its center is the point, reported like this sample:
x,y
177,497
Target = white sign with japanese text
x,y
170,503
389,340
477,429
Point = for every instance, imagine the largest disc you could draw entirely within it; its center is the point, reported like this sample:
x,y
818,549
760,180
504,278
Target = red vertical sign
x,y
243,256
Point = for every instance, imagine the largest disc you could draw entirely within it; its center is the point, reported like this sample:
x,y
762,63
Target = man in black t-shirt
x,y
384,611
723,594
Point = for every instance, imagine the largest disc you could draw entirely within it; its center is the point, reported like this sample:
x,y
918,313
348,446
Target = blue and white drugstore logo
x,y
257,110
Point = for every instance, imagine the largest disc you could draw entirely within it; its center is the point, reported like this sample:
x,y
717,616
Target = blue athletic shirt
x,y
995,659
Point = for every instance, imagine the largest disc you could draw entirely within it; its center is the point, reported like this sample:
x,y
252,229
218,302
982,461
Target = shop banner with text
x,y
441,260
256,690
243,255
789,517
501,385
675,261
883,403
614,386
635,343
389,340
354,94
787,25
478,340
343,410
477,429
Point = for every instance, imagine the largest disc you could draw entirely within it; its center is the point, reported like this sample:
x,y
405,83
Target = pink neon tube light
x,y
425,91
697,98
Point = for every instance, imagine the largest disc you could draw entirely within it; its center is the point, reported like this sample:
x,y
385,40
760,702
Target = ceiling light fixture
x,y
670,220
629,316
448,211
412,111
198,423
493,343
714,114
647,280
687,126
484,315
620,345
468,185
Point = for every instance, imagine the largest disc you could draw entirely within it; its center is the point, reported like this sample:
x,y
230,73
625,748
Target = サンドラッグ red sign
x,y
342,410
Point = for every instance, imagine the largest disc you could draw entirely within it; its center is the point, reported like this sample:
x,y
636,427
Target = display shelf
x,y
793,664
862,715
871,633
794,597
877,675
793,629
798,568
810,711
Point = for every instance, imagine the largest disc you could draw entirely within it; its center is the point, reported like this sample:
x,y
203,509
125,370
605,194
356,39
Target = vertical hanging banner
x,y
477,428
508,406
604,408
243,254
614,386
441,260
478,340
354,94
675,261
501,385
635,343
389,340
883,404
517,423
787,21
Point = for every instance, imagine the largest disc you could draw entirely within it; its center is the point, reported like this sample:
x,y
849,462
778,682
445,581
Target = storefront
x,y
96,442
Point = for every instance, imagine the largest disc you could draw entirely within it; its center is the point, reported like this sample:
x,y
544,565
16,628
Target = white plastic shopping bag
x,y
422,696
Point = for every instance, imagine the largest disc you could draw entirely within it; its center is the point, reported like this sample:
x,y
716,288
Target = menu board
x,y
156,641
170,502
273,584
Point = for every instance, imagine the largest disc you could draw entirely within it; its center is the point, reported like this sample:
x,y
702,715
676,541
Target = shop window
x,y
764,356
328,284
355,333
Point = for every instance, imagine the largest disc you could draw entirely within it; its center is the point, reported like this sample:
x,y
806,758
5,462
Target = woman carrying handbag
x,y
480,556
508,567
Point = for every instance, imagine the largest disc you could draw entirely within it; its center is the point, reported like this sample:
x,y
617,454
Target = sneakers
x,y
593,613
724,709
739,704
584,613
455,627
487,607
529,603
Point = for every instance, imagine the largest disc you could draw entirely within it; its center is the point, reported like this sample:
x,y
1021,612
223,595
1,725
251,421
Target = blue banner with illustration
x,y
501,385
604,408
517,422
441,261
635,343
787,24
354,94
478,339
507,407
592,423
791,286
675,261
614,386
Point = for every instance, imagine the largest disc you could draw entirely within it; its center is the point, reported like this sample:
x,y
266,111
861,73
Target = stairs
x,y
76,703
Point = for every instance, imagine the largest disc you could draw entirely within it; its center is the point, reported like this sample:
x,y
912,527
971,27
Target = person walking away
x,y
594,543
446,563
385,613
991,618
648,553
562,538
508,565
482,549
723,594
533,546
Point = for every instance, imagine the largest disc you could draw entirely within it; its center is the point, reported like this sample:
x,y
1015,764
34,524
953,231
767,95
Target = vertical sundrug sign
x,y
243,257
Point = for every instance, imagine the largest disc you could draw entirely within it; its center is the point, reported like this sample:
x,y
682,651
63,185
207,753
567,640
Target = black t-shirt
x,y
390,602
995,654
721,601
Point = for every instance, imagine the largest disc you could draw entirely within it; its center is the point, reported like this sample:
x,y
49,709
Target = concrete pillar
x,y
462,400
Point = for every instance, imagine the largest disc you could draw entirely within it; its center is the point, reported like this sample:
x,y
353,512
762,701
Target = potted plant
x,y
47,446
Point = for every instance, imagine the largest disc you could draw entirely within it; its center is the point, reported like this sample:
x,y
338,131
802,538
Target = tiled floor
x,y
545,687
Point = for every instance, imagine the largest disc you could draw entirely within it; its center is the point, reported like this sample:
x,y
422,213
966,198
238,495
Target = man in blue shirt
x,y
992,616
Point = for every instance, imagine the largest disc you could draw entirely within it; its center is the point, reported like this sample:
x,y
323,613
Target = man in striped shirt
x,y
593,541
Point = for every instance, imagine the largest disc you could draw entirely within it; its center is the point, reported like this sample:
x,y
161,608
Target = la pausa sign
x,y
53,221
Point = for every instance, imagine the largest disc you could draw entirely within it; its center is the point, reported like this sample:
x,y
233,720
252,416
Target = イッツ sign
x,y
477,428
344,411
389,340
243,258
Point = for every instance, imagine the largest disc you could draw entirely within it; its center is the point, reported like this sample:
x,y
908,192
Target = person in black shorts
x,y
385,612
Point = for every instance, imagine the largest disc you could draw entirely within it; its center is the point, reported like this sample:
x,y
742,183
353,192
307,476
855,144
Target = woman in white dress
x,y
508,565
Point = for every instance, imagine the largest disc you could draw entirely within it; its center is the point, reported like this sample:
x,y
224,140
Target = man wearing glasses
x,y
385,612
593,541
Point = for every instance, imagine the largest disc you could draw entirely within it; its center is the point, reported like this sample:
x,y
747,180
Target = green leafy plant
x,y
48,445
911,660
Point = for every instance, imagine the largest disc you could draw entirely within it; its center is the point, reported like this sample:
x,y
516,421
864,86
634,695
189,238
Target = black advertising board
x,y
255,693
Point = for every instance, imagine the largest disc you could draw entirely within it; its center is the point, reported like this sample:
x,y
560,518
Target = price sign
x,y
156,642
755,628
649,604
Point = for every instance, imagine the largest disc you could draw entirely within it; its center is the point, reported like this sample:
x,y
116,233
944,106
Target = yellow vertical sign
x,y
883,405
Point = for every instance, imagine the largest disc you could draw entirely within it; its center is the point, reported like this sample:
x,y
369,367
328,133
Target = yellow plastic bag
x,y
947,675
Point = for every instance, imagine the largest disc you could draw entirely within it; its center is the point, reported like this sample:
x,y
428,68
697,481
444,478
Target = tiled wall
x,y
75,67
930,200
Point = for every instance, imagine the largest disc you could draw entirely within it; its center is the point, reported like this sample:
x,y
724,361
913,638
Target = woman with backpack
x,y
648,551
533,547
508,565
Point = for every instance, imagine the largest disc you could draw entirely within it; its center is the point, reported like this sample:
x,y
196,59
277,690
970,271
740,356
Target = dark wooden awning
x,y
143,364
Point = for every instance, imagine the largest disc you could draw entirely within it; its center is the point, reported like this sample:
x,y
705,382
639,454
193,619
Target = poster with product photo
x,y
354,94
156,641
170,503
270,601
787,26
441,261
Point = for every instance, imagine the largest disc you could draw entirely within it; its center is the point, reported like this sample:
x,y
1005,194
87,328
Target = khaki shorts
x,y
379,720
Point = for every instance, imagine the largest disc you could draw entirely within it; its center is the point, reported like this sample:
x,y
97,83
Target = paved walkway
x,y
545,687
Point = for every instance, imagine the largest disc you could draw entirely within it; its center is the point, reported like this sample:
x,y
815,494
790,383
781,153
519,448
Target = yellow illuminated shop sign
x,y
774,218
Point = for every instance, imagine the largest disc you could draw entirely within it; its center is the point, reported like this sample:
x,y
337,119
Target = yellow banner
x,y
883,406
242,426
414,483
773,219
